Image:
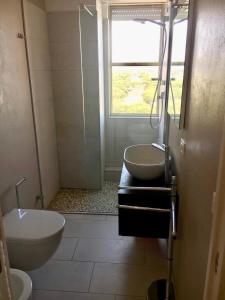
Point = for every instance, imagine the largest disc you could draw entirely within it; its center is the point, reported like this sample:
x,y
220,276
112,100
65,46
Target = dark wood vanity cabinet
x,y
143,223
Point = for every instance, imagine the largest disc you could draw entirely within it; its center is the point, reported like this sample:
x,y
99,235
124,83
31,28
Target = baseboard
x,y
112,174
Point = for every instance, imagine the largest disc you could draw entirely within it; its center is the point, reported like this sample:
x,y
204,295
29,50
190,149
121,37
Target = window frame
x,y
126,64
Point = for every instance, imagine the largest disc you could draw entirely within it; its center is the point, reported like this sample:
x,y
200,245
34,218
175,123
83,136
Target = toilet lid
x,y
31,225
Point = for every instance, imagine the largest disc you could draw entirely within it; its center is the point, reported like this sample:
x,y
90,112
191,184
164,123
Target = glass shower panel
x,y
91,103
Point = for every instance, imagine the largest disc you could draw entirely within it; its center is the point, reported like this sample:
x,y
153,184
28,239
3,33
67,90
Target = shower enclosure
x,y
66,77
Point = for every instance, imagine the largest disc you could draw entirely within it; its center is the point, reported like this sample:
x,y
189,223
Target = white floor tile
x,y
63,276
124,266
66,249
121,279
91,229
156,252
112,218
115,251
53,295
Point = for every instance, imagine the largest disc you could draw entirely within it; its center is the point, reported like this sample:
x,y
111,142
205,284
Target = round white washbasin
x,y
21,285
144,162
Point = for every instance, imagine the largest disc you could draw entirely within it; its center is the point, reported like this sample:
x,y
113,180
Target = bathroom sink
x,y
144,162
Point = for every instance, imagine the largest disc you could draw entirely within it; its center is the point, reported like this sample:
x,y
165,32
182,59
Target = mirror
x,y
179,63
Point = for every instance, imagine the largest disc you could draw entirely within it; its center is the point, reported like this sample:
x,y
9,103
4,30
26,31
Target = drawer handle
x,y
142,208
144,188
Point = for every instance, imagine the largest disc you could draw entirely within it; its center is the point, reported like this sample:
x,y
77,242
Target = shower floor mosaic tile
x,y
87,201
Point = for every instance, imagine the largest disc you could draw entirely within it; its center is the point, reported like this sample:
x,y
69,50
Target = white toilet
x,y
32,236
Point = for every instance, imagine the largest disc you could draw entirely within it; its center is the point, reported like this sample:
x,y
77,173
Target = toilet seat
x,y
31,226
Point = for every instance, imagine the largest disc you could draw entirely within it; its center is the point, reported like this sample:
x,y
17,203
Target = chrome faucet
x,y
164,148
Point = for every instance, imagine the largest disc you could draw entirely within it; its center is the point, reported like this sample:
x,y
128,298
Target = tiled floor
x,y
94,263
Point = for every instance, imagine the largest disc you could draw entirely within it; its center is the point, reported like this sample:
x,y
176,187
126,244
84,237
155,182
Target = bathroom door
x,y
18,156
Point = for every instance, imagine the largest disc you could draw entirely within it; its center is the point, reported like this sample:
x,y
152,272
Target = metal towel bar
x,y
160,210
173,219
144,188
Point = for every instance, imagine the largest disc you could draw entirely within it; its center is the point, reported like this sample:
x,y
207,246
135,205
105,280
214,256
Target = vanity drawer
x,y
144,223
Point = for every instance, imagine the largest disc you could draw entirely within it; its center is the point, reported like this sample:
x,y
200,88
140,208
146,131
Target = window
x,y
135,52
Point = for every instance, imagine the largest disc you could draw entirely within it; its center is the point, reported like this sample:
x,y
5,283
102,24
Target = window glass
x,y
133,86
135,42
133,89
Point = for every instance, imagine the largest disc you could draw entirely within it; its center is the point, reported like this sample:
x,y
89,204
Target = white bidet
x,y
21,285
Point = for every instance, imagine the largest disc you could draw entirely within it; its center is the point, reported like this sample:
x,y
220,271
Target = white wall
x,y
41,81
17,140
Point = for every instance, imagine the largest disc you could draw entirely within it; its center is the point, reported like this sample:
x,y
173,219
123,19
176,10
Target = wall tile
x,y
66,5
66,56
63,26
67,84
69,115
90,55
36,21
91,83
72,174
42,83
39,54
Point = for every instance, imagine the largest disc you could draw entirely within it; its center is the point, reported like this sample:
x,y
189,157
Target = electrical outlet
x,y
182,147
